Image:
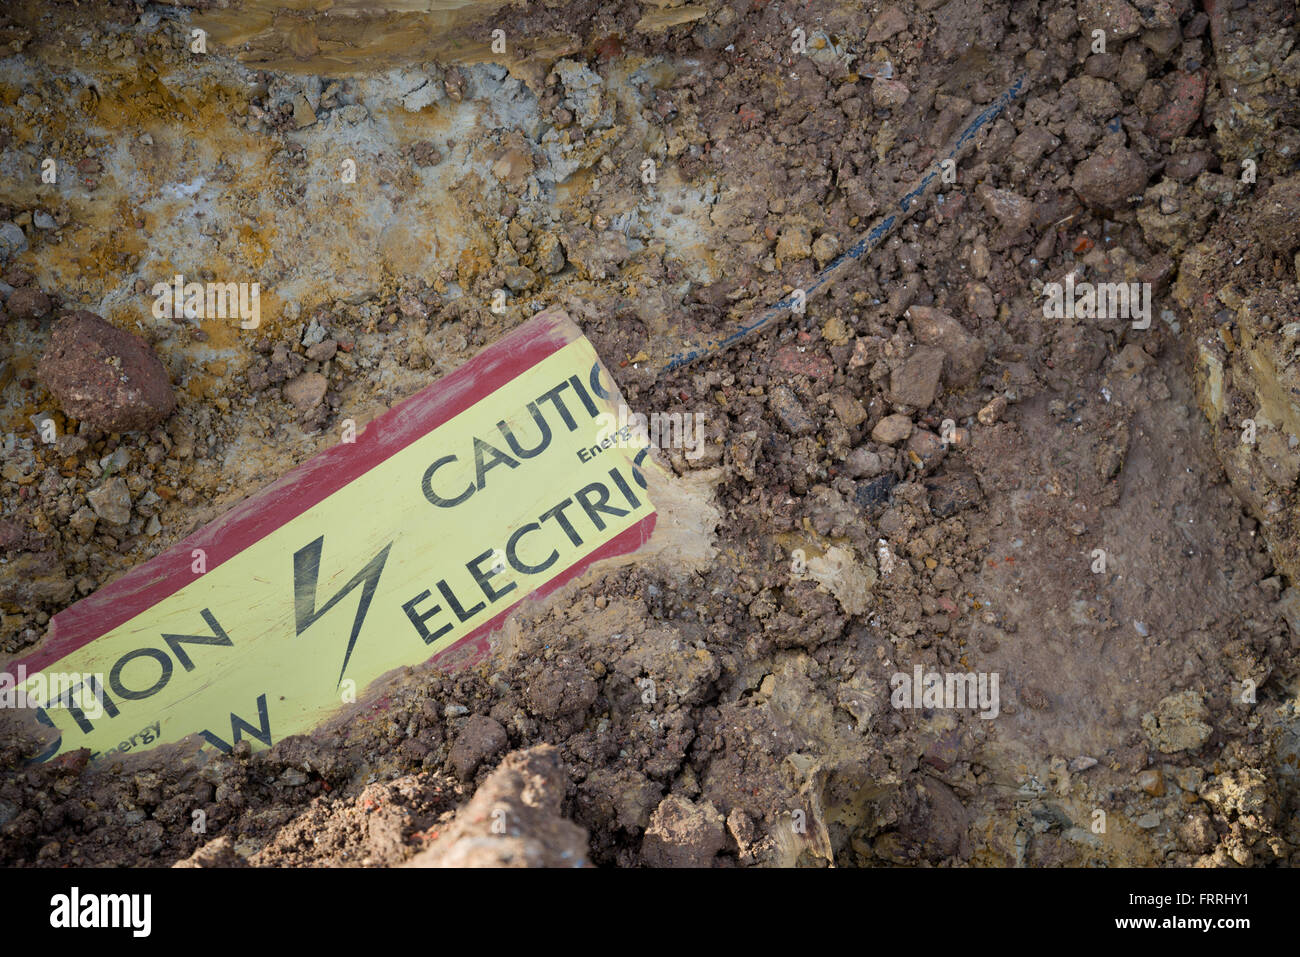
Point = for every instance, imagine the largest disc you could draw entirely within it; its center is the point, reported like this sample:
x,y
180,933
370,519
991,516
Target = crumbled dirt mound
x,y
922,471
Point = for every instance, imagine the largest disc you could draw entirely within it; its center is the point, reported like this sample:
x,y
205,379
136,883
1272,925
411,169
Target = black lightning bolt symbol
x,y
306,569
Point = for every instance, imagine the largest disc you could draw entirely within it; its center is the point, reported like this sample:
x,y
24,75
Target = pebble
x,y
43,220
964,352
1010,209
12,240
111,501
794,244
863,463
1153,782
323,351
953,492
891,21
303,114
1109,177
993,411
889,93
28,303
892,429
916,381
306,391
825,248
787,408
1182,107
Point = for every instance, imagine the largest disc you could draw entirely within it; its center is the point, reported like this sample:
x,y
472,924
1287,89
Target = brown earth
x,y
1094,532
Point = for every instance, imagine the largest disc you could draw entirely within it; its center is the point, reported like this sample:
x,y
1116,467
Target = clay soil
x,y
830,538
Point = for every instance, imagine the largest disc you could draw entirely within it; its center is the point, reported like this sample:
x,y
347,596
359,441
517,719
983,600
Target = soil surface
x,y
923,470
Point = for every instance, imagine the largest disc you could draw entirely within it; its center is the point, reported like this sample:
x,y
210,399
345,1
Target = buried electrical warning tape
x,y
411,543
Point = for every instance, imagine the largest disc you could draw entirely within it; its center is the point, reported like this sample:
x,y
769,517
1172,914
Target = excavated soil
x,y
1094,534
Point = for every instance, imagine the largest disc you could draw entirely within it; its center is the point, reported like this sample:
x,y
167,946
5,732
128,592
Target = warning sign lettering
x,y
499,482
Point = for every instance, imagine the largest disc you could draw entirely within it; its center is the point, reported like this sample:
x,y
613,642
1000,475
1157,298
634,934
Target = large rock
x,y
104,376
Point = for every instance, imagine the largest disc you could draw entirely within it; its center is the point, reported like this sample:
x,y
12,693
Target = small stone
x,y
12,241
323,351
306,391
1153,782
480,738
1185,167
787,408
862,463
848,408
890,21
107,377
825,248
952,492
42,220
874,495
1109,177
1182,106
795,243
864,351
112,501
1010,209
927,447
964,352
83,521
1030,146
916,381
889,94
28,303
892,429
519,278
549,254
1082,763
993,411
303,114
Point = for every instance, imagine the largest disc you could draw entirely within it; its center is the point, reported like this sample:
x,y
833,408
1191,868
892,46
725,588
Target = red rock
x,y
814,364
1186,97
105,376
